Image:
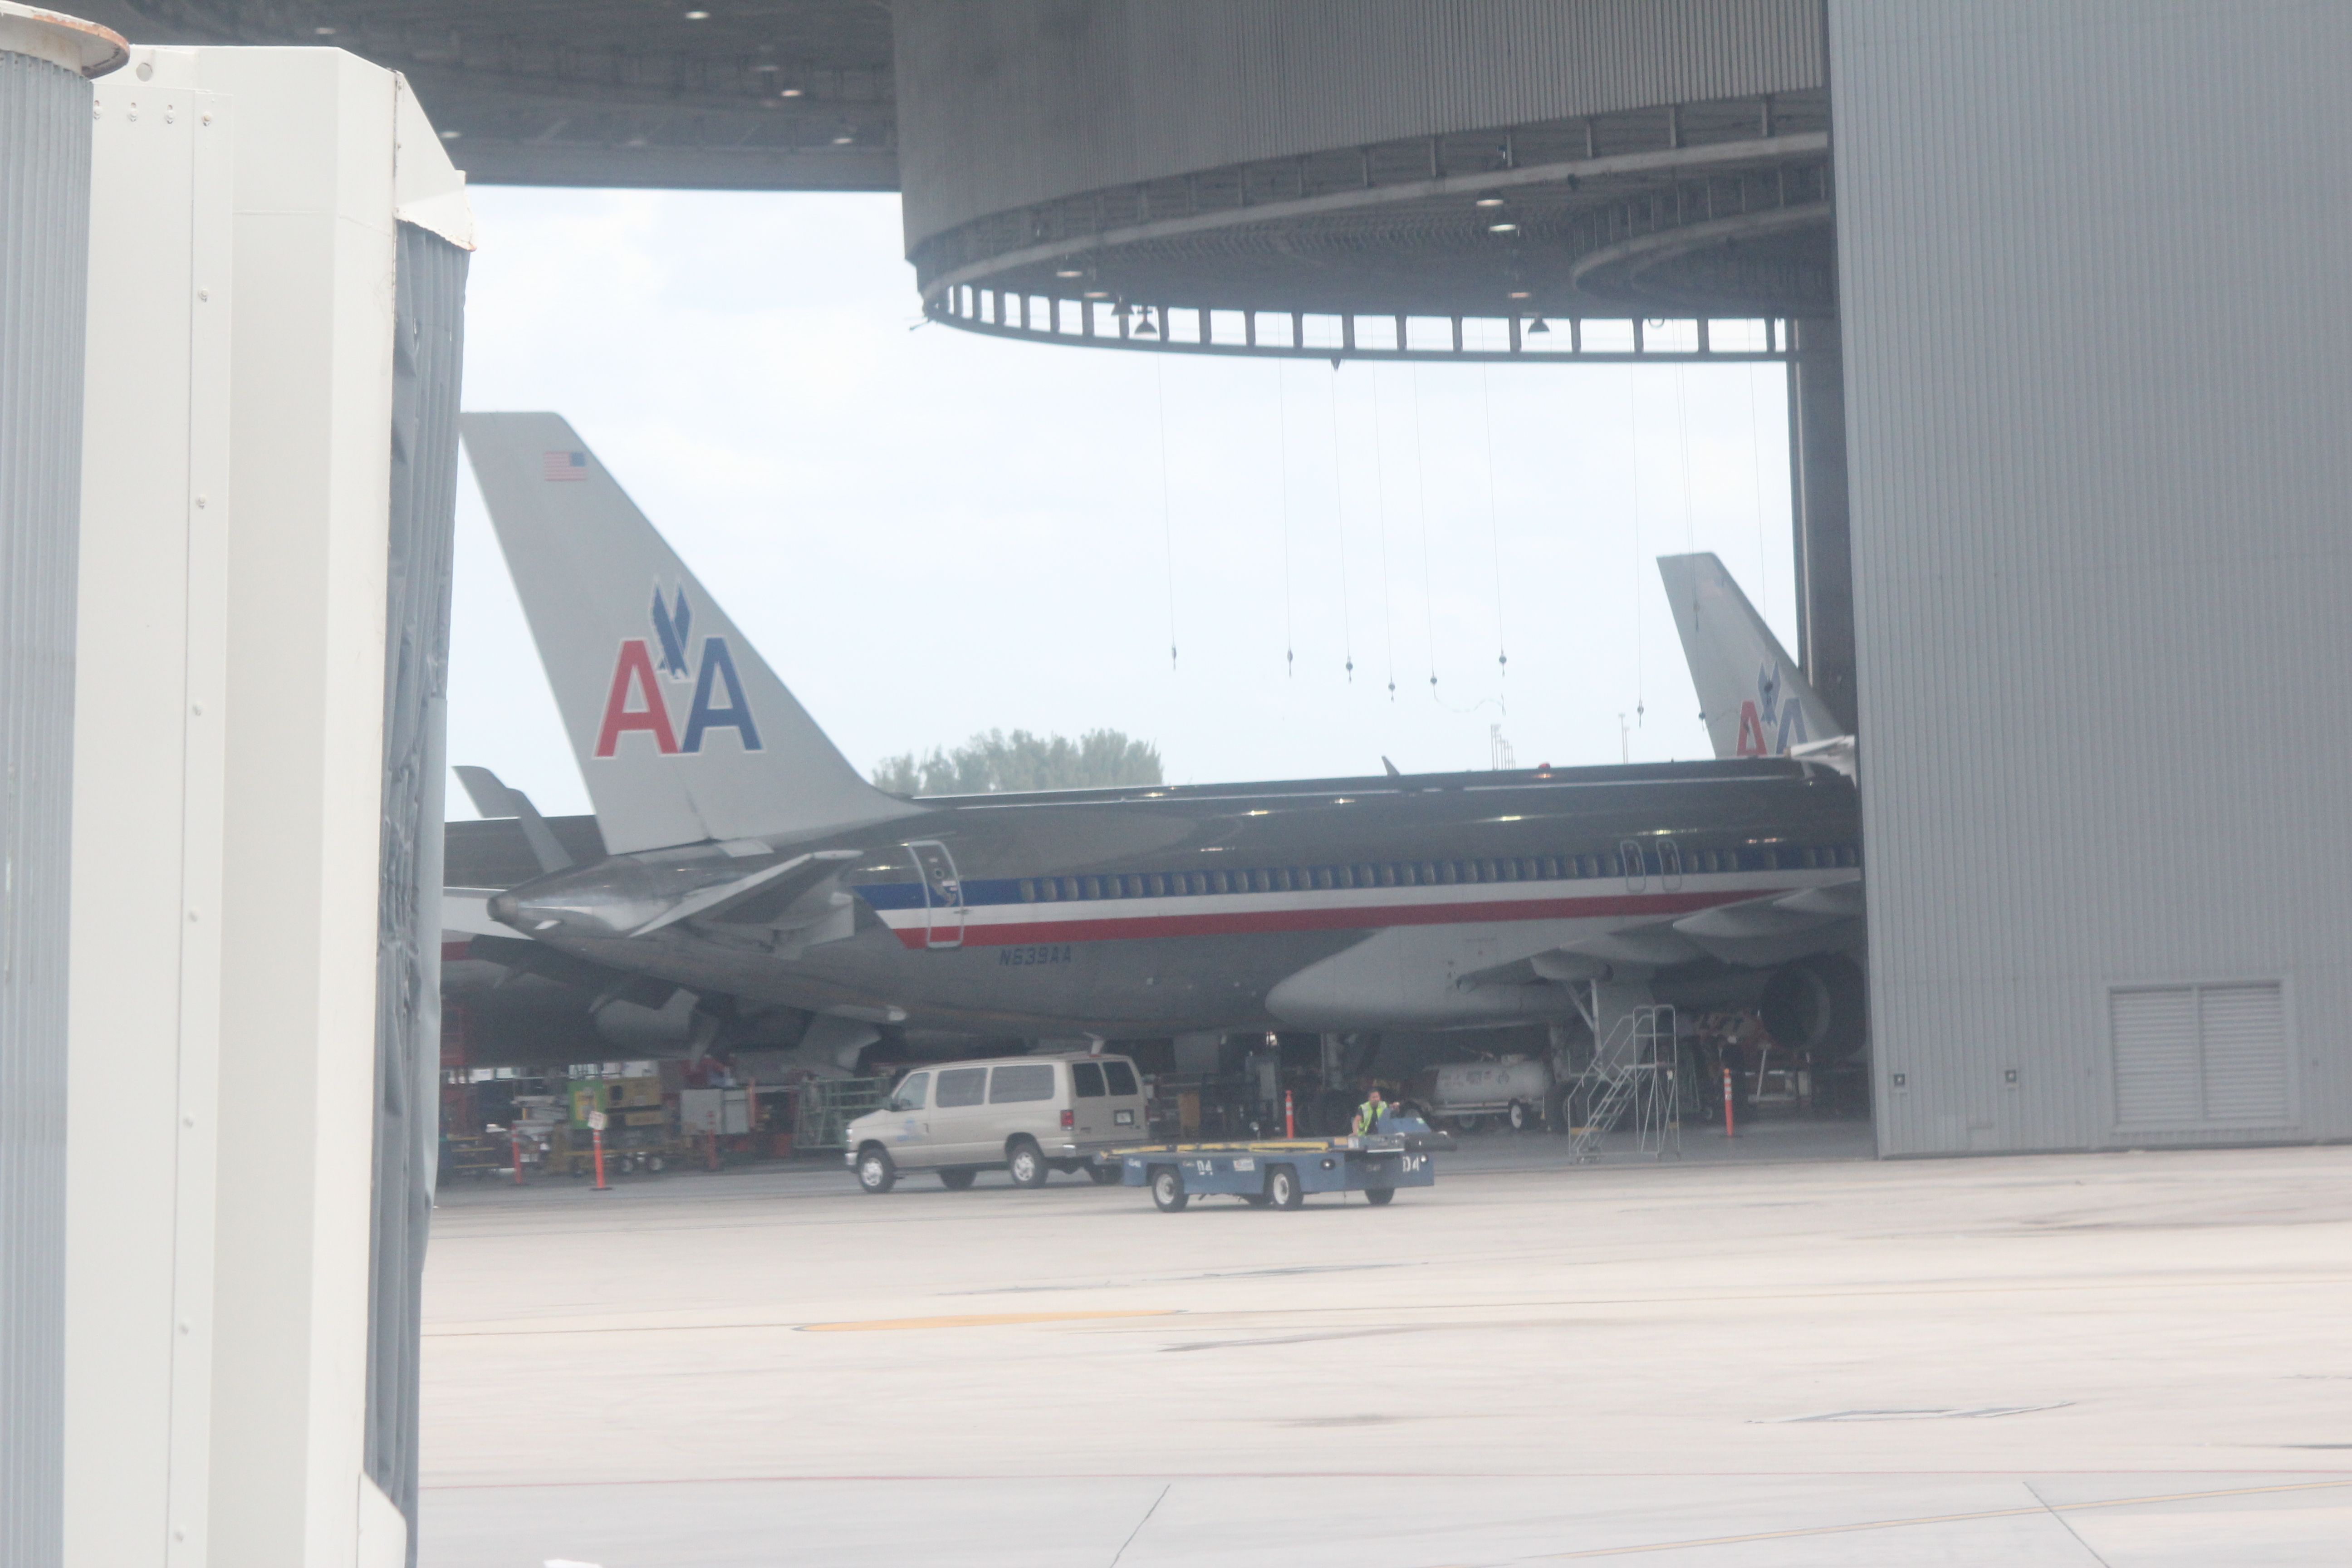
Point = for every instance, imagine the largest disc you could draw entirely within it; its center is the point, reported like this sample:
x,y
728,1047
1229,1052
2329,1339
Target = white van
x,y
1030,1115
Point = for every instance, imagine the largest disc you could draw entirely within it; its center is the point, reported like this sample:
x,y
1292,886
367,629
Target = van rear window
x,y
1087,1076
1012,1084
961,1085
1121,1077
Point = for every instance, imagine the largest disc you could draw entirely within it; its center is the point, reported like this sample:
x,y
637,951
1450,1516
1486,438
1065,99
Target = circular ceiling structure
x,y
1392,177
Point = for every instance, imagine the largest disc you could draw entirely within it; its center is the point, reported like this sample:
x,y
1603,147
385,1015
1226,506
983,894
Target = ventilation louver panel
x,y
2192,1057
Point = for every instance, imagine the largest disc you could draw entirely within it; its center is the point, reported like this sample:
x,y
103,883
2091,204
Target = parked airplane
x,y
747,859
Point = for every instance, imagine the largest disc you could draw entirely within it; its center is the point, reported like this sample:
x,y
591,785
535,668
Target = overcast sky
x,y
930,534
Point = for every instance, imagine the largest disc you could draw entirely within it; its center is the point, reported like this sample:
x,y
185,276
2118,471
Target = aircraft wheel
x,y
1167,1194
876,1172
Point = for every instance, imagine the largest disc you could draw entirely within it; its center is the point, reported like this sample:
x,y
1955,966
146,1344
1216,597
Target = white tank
x,y
1490,1086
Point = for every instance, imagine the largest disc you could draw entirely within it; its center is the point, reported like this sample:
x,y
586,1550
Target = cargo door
x,y
1122,1100
1089,1102
942,893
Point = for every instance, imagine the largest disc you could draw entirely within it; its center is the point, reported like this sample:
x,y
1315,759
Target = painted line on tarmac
x,y
2062,1508
1723,1298
974,1320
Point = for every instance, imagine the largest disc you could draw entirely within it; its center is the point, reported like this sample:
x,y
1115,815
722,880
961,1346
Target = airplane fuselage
x,y
1314,904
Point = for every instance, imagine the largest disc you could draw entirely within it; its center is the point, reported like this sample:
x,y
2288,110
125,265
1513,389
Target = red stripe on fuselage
x,y
1245,922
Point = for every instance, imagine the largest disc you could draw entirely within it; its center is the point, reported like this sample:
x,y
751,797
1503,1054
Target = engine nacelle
x,y
1819,1005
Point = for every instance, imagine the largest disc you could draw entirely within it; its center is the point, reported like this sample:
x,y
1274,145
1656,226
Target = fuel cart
x,y
1280,1173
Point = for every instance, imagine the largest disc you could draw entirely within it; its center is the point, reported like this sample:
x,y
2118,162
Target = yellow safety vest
x,y
1368,1115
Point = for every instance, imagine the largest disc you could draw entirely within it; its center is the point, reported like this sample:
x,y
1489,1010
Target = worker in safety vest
x,y
1368,1115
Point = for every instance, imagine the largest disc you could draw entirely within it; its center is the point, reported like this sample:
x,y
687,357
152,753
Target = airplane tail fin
x,y
682,732
1755,702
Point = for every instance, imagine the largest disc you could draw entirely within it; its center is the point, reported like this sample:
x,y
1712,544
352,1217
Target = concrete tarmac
x,y
1778,1352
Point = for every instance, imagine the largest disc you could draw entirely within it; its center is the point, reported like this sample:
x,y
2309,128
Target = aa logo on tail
x,y
636,700
1768,712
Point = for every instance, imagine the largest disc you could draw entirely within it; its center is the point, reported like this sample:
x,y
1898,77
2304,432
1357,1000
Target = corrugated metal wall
x,y
43,277
2097,369
1023,100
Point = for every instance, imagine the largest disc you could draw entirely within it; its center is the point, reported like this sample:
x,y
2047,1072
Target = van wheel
x,y
1282,1189
957,1181
1103,1175
876,1173
1167,1194
1026,1163
1379,1196
1519,1115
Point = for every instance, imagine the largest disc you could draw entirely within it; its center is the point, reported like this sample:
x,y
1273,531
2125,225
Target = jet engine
x,y
1818,1005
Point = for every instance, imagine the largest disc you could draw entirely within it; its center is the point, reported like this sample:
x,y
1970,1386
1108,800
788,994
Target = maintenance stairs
x,y
1632,1075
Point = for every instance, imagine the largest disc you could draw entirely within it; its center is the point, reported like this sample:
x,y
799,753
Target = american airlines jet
x,y
746,857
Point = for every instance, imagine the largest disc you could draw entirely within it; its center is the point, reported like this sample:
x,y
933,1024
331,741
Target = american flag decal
x,y
557,467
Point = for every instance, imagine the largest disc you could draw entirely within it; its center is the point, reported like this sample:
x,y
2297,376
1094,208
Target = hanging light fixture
x,y
1538,329
1147,330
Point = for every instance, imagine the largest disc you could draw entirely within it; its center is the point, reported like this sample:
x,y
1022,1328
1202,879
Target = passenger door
x,y
942,893
908,1130
960,1118
1023,1098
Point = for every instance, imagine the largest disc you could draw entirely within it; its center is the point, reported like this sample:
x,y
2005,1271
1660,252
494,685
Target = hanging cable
x,y
1167,511
1756,474
1494,525
1380,517
1282,424
1339,514
1633,422
1420,486
1682,412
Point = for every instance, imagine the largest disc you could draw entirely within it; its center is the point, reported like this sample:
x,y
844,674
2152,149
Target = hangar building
x,y
2050,276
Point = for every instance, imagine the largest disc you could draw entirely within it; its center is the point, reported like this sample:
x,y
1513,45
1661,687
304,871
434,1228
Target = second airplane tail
x,y
1755,701
682,732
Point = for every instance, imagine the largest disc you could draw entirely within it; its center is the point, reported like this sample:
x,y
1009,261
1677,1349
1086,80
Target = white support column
x,y
310,426
150,782
228,827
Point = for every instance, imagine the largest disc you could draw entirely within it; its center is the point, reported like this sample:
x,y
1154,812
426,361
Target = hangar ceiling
x,y
1247,176
789,95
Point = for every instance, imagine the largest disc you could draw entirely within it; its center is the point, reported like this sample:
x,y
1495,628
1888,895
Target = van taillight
x,y
1069,1120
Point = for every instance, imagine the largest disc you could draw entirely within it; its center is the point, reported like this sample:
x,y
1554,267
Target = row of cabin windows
x,y
1633,862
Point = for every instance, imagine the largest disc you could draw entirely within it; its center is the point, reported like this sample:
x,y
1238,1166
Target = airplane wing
x,y
1753,933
